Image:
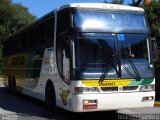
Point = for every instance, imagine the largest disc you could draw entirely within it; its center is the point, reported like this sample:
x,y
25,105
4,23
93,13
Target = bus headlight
x,y
85,89
147,88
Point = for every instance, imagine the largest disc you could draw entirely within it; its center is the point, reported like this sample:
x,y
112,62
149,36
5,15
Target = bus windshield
x,y
95,50
109,20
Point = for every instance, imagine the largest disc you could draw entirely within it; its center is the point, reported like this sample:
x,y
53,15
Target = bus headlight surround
x,y
147,88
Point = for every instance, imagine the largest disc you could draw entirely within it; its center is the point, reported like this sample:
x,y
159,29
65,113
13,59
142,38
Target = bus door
x,y
63,52
64,67
66,73
66,61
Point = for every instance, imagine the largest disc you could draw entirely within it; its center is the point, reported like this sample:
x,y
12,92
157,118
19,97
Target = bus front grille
x,y
123,88
107,89
128,88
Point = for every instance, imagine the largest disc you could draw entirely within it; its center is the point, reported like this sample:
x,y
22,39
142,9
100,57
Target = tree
x,y
153,15
12,18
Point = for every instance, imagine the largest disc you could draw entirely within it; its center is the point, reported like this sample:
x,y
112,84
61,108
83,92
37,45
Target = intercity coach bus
x,y
84,57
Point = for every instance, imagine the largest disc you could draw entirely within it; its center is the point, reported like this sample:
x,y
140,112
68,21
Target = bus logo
x,y
107,84
120,88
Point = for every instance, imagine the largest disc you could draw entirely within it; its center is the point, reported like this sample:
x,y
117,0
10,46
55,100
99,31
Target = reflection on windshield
x,y
109,20
135,46
95,50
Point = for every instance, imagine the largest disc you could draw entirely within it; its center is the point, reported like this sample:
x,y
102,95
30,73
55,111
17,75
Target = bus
x,y
84,57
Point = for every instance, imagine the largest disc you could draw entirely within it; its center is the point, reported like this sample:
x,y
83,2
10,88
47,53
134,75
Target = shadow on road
x,y
30,108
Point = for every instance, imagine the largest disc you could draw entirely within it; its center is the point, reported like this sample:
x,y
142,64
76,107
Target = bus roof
x,y
105,6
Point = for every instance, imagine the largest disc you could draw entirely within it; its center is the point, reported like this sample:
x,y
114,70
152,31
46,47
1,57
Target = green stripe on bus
x,y
145,81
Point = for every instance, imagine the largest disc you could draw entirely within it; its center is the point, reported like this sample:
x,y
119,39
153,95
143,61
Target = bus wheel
x,y
13,86
51,98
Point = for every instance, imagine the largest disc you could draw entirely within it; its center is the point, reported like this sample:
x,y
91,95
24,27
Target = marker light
x,y
149,98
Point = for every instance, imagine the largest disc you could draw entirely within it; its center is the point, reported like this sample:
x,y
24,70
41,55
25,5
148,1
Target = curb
x,y
157,104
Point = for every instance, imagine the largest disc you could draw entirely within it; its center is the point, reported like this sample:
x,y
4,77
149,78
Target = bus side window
x,y
34,64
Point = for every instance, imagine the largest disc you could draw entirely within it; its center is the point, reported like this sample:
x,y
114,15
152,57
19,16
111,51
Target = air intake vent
x,y
128,88
108,89
123,88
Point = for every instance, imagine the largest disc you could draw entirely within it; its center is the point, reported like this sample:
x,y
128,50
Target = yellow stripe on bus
x,y
106,83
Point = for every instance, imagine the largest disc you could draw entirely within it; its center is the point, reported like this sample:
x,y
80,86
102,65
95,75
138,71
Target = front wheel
x,y
51,98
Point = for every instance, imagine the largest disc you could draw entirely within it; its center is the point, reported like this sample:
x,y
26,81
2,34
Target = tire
x,y
51,98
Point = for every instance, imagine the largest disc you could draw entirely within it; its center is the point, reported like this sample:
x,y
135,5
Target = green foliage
x,y
21,16
153,15
12,18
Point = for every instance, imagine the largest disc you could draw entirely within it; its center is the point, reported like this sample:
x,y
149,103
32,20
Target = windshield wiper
x,y
138,76
111,61
128,71
106,69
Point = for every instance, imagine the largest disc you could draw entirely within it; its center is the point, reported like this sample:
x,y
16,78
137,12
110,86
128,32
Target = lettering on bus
x,y
18,60
107,84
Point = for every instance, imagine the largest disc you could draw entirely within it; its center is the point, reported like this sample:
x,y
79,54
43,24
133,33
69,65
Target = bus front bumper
x,y
112,101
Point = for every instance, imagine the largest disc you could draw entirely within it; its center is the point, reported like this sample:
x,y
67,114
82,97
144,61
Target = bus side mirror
x,y
154,49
